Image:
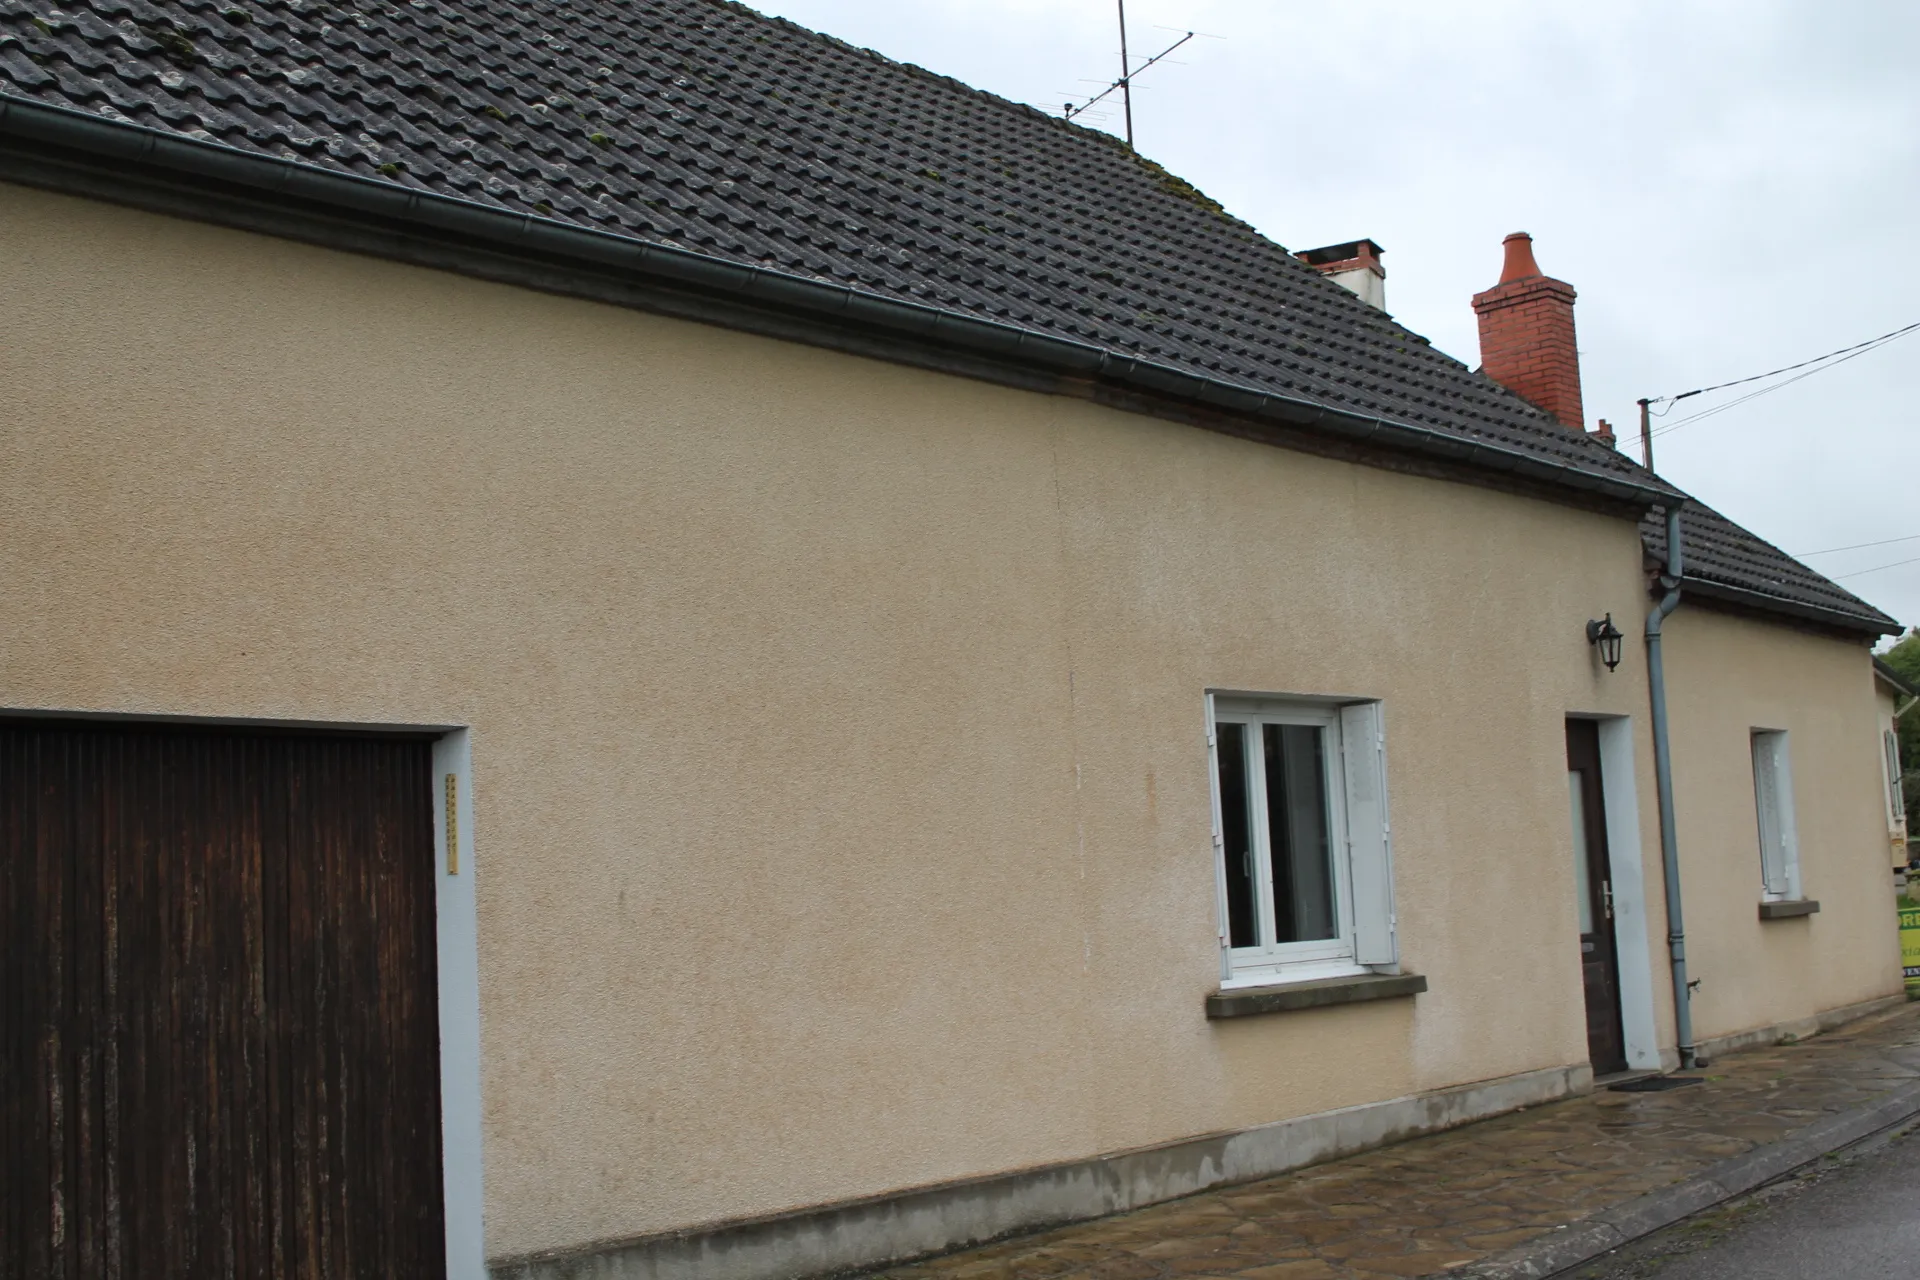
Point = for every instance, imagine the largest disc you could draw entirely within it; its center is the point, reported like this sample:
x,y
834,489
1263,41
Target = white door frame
x,y
457,934
1632,930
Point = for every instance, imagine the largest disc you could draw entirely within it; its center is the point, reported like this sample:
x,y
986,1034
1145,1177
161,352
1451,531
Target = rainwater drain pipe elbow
x,y
1663,781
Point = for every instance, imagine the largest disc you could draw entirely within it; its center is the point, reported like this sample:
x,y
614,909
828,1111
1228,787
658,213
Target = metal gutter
x,y
1663,783
1709,589
1885,670
301,183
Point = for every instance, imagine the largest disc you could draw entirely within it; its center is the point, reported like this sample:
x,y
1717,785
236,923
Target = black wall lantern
x,y
1605,637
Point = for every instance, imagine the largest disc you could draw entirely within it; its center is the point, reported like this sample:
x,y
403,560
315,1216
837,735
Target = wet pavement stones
x,y
1479,1197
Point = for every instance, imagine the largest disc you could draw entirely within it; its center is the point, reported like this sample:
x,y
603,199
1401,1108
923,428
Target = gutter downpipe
x,y
1663,780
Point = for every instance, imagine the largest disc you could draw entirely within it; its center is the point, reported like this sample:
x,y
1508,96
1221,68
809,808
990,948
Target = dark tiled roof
x,y
703,125
1718,554
710,127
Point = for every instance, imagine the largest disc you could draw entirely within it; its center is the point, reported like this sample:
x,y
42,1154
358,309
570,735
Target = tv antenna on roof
x,y
1127,72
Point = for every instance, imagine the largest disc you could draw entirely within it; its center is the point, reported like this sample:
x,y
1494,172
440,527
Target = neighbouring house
x,y
642,643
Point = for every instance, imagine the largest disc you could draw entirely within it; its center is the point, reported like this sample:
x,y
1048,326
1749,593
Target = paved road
x,y
1855,1219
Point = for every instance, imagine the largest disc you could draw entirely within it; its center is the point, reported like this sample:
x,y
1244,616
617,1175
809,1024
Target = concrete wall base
x,y
888,1230
1796,1028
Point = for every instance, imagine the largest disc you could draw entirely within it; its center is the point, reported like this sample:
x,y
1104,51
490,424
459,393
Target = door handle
x,y
1606,894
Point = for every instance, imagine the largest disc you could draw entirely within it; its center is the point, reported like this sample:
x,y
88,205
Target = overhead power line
x,y
1877,568
1819,364
1859,546
1722,386
1832,360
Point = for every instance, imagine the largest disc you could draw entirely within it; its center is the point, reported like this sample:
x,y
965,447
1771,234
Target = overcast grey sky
x,y
1731,185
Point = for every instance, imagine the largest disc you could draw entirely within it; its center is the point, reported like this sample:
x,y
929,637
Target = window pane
x,y
1236,835
1300,830
1582,870
1768,775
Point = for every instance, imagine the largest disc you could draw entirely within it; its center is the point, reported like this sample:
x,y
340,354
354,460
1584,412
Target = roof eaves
x,y
1889,673
1875,624
128,142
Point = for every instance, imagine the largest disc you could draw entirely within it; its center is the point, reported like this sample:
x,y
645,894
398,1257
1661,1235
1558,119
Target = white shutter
x,y
1369,838
1219,843
1770,806
1896,802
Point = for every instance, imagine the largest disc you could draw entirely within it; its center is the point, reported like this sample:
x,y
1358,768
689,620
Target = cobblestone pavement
x,y
1432,1203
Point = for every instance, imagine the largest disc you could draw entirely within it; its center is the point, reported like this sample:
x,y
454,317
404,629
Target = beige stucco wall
x,y
841,792
1727,676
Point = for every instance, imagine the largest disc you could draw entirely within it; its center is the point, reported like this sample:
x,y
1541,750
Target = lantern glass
x,y
1604,636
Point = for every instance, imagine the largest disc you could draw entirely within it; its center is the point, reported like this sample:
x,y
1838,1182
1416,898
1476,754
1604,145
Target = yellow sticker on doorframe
x,y
453,825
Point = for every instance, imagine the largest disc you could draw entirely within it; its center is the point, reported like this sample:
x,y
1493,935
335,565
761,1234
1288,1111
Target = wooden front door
x,y
1599,962
219,1042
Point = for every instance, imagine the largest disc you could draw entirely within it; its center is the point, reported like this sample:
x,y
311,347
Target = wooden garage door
x,y
221,1041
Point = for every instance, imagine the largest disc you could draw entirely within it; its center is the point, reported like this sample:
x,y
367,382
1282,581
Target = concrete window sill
x,y
1788,910
1246,1002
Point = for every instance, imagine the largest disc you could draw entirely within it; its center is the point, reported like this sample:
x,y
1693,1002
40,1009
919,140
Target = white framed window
x,y
1302,849
1773,801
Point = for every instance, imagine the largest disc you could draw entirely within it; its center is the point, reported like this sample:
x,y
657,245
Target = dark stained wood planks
x,y
218,1028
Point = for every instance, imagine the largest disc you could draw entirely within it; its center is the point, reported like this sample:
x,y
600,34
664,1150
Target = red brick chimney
x,y
1526,335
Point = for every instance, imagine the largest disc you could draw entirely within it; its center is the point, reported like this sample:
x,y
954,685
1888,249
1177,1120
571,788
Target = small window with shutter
x,y
1301,844
1773,803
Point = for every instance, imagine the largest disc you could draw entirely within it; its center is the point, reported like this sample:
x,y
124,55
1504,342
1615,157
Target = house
x,y
641,643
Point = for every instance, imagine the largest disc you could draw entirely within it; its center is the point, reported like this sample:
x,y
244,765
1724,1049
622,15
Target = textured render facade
x,y
1730,675
838,728
833,713
840,822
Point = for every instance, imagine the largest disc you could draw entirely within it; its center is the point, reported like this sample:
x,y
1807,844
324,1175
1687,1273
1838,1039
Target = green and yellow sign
x,y
1910,949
